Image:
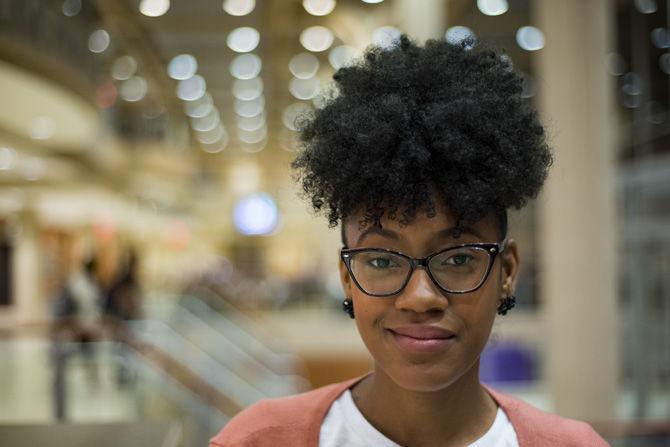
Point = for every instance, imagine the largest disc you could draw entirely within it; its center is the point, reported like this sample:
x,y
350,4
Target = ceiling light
x,y
247,89
319,7
304,88
182,67
530,38
492,7
341,56
154,8
239,7
317,38
123,68
192,88
245,66
243,40
98,41
134,89
303,65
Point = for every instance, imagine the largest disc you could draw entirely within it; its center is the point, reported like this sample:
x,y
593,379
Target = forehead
x,y
422,230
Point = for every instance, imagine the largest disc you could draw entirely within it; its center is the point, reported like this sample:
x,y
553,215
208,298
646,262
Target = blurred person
x,y
123,304
77,310
77,318
418,158
122,301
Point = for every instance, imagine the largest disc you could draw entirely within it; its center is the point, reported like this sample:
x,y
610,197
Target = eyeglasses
x,y
459,269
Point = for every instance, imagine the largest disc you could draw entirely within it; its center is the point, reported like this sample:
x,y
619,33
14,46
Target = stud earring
x,y
506,304
348,307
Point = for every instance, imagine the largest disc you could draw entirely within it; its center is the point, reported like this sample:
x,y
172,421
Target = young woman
x,y
418,156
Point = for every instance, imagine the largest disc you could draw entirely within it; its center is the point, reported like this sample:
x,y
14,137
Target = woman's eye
x,y
459,259
381,263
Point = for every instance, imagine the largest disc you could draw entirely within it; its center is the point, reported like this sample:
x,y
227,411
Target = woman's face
x,y
388,325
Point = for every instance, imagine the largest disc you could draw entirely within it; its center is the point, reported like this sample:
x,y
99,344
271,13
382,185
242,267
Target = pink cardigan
x,y
295,421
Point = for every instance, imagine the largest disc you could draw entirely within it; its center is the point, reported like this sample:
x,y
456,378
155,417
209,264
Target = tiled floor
x,y
26,387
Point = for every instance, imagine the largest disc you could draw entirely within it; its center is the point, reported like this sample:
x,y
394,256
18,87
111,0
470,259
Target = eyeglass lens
x,y
458,270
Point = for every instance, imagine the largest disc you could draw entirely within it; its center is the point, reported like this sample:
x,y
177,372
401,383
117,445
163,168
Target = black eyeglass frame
x,y
492,249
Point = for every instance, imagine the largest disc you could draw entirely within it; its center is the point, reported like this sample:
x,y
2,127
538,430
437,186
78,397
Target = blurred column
x,y
421,20
578,220
26,267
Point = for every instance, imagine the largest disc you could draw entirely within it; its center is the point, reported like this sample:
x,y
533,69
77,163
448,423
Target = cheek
x,y
478,316
371,313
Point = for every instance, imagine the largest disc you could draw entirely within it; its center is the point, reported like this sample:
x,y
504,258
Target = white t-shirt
x,y
345,425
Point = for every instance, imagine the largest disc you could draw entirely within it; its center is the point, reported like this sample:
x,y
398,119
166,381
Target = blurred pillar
x,y
577,211
26,267
421,20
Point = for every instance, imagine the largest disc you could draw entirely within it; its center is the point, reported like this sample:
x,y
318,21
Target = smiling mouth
x,y
422,344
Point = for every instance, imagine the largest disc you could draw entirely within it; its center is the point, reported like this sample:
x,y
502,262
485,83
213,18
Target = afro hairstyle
x,y
406,126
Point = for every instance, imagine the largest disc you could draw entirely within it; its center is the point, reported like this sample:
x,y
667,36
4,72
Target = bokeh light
x,y
319,7
98,41
154,8
530,38
255,215
250,123
192,88
492,7
646,6
317,38
211,136
247,89
134,89
303,65
199,107
660,37
207,122
71,7
304,88
243,39
616,64
182,67
250,108
123,68
245,66
239,7
341,56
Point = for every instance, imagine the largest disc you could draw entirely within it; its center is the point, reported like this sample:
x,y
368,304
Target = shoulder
x,y
539,428
280,422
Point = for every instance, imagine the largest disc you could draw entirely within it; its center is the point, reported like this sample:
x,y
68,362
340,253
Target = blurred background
x,y
159,273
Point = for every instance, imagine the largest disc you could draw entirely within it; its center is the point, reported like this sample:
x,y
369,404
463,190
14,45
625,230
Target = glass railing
x,y
56,387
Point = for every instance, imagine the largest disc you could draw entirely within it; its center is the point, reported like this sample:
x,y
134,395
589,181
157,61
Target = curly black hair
x,y
408,125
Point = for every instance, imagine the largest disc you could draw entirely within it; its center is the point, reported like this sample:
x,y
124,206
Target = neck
x,y
458,414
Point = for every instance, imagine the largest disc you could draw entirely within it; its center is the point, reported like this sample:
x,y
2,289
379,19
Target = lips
x,y
422,339
423,332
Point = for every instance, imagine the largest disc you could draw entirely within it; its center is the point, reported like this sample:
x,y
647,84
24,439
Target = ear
x,y
510,267
345,278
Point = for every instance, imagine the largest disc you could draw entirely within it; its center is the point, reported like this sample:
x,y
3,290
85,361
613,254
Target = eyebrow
x,y
442,234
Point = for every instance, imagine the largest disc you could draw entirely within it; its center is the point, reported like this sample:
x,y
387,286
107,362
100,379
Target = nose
x,y
421,294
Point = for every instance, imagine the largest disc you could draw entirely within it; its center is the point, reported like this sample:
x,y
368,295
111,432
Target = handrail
x,y
241,330
195,403
215,374
226,352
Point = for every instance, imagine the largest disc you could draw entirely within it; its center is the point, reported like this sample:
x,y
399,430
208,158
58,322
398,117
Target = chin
x,y
422,378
